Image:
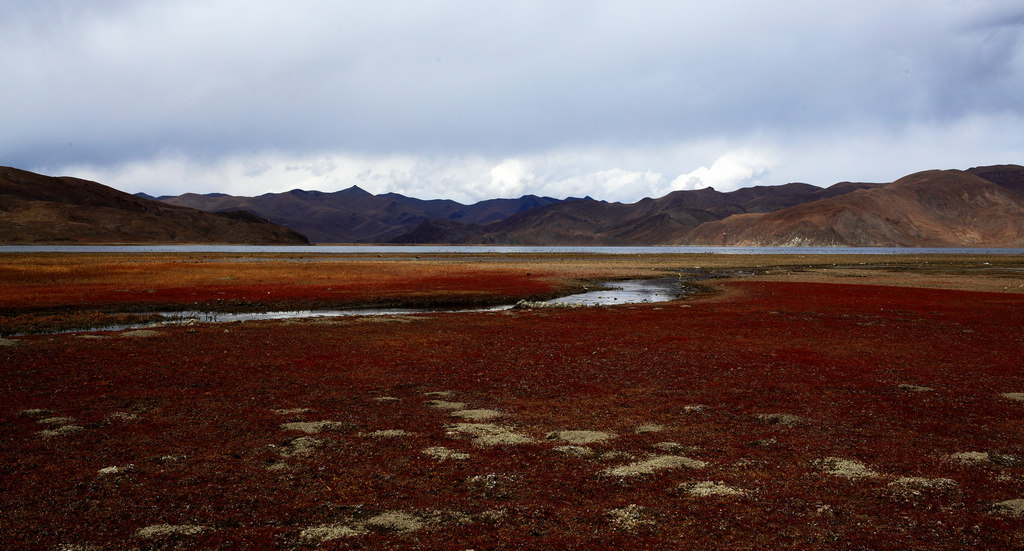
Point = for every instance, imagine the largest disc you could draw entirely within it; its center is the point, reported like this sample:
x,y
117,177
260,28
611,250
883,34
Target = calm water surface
x,y
485,249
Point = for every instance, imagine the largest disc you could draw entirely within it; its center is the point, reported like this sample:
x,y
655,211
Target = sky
x,y
480,99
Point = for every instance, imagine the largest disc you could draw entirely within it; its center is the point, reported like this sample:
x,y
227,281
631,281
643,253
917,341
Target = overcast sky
x,y
478,99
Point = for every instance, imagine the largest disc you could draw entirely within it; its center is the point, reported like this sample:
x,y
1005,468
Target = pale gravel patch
x,y
580,437
845,468
78,547
300,447
122,416
291,411
115,470
917,483
9,342
93,337
396,521
577,451
650,427
970,458
389,433
443,404
694,408
1011,508
62,430
313,427
477,414
387,399
34,413
56,421
656,463
165,530
329,532
442,453
630,517
784,419
708,488
278,466
141,333
1016,396
674,447
914,388
484,434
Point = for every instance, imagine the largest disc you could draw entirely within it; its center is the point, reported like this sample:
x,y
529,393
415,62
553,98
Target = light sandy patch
x,y
34,413
115,470
971,458
1017,396
577,451
93,337
292,411
122,416
390,433
845,468
62,430
442,404
396,521
764,443
916,484
674,447
694,408
165,530
300,447
78,547
580,437
784,419
656,463
477,414
8,342
330,532
616,455
440,394
708,488
1010,508
278,466
630,517
650,427
56,421
442,453
914,388
141,333
484,434
313,427
387,399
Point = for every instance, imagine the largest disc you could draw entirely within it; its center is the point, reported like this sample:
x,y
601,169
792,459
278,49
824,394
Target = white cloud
x,y
733,170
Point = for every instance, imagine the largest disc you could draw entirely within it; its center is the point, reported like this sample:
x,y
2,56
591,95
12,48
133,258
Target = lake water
x,y
485,249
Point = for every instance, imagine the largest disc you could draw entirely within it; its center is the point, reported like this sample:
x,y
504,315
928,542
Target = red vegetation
x,y
833,355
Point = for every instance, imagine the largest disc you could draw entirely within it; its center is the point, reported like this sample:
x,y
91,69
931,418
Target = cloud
x,y
731,171
613,100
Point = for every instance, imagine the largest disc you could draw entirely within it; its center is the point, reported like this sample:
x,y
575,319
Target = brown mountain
x,y
355,216
937,208
646,222
38,209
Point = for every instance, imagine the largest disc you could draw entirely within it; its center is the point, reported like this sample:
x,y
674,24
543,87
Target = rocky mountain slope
x,y
37,209
937,208
355,216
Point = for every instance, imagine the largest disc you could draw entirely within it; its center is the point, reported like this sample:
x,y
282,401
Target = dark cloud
x,y
108,83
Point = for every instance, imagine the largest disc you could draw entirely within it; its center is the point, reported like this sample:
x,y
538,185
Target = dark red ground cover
x,y
834,355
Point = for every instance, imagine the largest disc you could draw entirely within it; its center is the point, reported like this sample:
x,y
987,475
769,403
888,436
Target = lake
x,y
486,249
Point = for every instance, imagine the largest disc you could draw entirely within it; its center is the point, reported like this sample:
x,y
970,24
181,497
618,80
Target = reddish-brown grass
x,y
205,429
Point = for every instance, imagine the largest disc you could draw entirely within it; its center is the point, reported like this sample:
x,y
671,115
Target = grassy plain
x,y
800,402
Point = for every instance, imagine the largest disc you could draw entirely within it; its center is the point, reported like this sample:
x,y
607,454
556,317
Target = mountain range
x,y
982,206
978,207
37,209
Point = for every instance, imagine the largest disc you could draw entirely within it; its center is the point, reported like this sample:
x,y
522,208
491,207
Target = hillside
x,y
36,209
355,216
946,208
